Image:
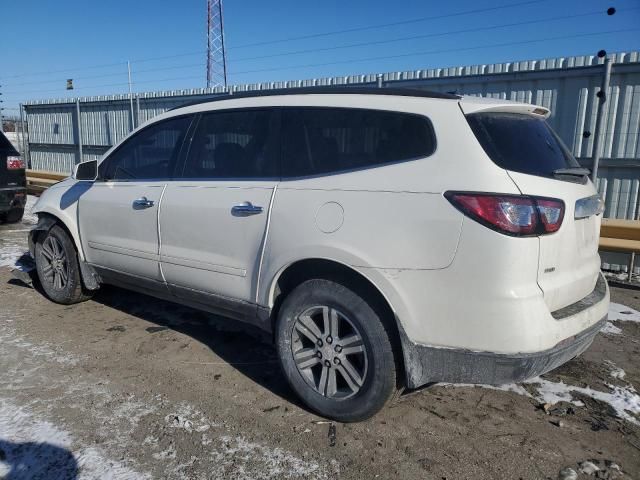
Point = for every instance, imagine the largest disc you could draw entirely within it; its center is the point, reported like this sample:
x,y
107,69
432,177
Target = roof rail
x,y
340,90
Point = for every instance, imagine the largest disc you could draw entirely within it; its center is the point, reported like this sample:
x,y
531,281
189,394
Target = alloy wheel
x,y
55,268
329,352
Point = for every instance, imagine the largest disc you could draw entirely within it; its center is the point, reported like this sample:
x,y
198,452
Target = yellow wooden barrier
x,y
621,236
38,180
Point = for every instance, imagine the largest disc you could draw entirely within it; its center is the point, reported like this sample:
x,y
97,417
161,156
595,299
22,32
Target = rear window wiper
x,y
575,171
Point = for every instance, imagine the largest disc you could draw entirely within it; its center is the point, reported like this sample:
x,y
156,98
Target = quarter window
x,y
150,154
234,144
326,140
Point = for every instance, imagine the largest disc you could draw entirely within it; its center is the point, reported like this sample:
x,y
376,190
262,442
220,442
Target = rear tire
x,y
336,351
14,215
58,268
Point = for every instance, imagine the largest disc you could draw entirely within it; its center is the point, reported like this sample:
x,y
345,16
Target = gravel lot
x,y
126,386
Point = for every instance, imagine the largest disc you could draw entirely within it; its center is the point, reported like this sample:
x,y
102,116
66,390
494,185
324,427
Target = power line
x,y
111,85
355,60
392,24
302,37
428,35
173,67
337,47
429,52
104,65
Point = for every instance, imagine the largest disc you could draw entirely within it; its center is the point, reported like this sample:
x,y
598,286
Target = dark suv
x,y
13,182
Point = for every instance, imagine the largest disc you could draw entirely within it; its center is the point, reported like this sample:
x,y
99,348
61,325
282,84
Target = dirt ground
x,y
127,386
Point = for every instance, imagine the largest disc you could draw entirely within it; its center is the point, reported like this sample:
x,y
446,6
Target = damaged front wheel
x,y
57,267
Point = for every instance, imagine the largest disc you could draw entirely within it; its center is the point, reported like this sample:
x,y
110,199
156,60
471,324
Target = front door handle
x,y
245,209
142,202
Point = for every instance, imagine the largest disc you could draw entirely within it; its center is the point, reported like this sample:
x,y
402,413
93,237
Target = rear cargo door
x,y
541,165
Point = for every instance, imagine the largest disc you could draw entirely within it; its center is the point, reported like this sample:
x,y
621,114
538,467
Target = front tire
x,y
14,215
336,351
58,268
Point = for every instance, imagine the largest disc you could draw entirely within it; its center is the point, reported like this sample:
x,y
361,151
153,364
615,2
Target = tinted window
x,y
324,140
6,147
235,144
152,153
521,143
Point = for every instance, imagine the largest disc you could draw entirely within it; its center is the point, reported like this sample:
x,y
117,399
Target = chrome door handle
x,y
142,202
245,209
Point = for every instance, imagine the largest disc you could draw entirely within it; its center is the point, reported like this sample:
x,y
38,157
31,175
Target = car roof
x,y
341,90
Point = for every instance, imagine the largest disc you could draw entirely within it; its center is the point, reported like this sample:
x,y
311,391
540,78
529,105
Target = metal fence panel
x,y
52,124
53,159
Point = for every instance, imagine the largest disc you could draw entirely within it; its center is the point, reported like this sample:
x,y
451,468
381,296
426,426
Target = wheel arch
x,y
46,221
302,270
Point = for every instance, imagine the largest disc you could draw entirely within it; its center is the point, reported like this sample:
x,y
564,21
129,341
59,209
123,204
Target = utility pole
x,y
133,122
216,55
602,101
24,141
1,109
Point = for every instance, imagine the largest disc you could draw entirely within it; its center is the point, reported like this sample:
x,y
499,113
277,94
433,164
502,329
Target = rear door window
x,y
521,143
239,144
328,140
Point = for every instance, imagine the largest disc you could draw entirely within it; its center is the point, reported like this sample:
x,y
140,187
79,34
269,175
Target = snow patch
x,y
10,253
9,338
624,400
189,419
11,250
618,311
616,372
36,448
611,329
275,462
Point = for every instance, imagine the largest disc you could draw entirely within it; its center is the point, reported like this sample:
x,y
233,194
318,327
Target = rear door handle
x,y
142,202
245,209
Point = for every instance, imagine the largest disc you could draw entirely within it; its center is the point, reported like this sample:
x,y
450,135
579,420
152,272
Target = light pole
x,y
602,100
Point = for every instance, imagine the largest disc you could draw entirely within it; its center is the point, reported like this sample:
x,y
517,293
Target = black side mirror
x,y
86,171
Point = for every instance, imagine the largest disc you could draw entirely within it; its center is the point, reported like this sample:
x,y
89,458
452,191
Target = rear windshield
x,y
521,143
6,147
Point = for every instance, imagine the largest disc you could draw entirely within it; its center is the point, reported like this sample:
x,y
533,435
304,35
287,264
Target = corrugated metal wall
x,y
567,86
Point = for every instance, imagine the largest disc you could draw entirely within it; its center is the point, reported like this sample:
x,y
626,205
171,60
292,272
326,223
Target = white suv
x,y
387,238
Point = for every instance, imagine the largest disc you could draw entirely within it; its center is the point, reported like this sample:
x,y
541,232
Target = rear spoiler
x,y
470,105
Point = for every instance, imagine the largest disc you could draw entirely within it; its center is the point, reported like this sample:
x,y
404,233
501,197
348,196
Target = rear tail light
x,y
14,163
516,215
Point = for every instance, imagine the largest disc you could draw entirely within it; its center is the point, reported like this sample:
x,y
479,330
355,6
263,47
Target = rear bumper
x,y
12,197
425,364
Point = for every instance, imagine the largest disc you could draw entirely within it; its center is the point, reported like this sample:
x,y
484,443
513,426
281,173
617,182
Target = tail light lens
x,y
516,215
14,163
